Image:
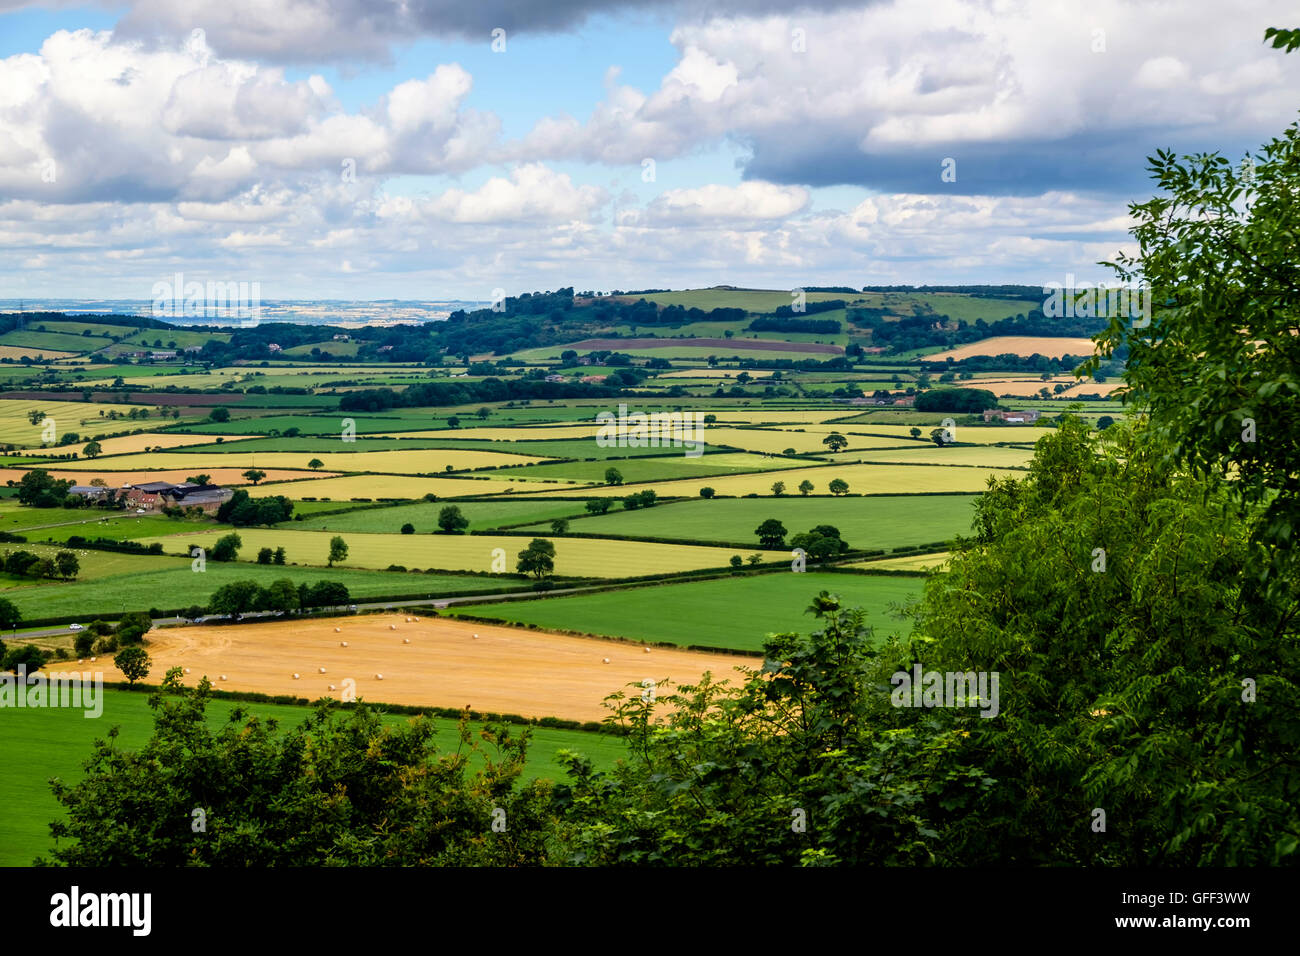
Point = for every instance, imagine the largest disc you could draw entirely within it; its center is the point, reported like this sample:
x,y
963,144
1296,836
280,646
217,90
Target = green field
x,y
55,341
726,612
111,582
54,742
677,465
885,522
482,515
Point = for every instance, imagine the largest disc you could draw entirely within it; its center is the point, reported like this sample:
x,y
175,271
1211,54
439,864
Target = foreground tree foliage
x,y
1142,671
342,789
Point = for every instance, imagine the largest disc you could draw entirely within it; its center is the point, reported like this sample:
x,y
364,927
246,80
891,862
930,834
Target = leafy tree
x,y
83,642
806,487
538,559
771,533
649,498
835,441
133,662
838,486
755,559
278,557
93,449
613,476
939,436
710,418
133,626
236,598
598,506
559,525
35,416
453,421
226,548
1104,422
483,413
408,528
68,564
280,595
219,414
338,550
707,492
264,790
201,479
265,555
914,432
254,475
778,488
822,541
28,655
1109,587
315,464
452,521
10,616
632,502
39,489
324,594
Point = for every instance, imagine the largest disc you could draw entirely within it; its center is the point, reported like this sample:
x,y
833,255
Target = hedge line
x,y
558,723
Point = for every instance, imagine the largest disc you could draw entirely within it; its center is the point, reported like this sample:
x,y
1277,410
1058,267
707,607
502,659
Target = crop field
x,y
110,582
1024,345
409,462
733,612
867,523
504,670
84,472
674,465
966,434
574,557
915,562
978,455
482,515
861,479
21,352
376,487
29,338
53,742
131,444
17,428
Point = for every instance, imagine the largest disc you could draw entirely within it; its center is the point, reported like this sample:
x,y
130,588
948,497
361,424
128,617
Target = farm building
x,y
1024,416
166,494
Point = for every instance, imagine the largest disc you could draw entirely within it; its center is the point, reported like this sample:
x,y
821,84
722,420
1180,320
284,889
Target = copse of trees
x,y
242,510
966,401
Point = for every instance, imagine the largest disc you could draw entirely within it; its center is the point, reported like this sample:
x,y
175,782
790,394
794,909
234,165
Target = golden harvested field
x,y
993,456
115,479
916,562
390,486
1025,345
582,557
129,444
21,352
15,428
712,373
862,479
503,670
408,462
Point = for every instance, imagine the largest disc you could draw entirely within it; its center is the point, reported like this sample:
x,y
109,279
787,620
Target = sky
x,y
439,149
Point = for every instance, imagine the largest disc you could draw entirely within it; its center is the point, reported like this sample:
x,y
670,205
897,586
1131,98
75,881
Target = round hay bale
x,y
322,670
187,670
379,677
406,640
605,659
343,643
223,676
295,676
417,620
337,629
392,627
647,650
331,686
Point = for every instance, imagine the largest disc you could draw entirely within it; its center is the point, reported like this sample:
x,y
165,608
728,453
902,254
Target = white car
x,y
352,607
139,511
75,627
